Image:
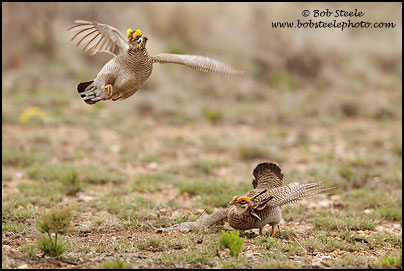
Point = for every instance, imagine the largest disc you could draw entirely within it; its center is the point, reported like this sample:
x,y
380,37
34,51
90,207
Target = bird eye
x,y
243,202
139,40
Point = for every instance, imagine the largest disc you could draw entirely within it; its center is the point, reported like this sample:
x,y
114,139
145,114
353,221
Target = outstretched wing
x,y
293,192
99,37
267,176
201,63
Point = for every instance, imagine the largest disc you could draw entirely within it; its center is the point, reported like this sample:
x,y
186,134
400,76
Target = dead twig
x,y
305,251
202,213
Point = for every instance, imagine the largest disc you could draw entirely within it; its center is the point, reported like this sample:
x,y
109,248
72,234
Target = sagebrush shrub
x,y
55,222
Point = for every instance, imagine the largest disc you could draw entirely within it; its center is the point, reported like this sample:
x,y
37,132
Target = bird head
x,y
135,38
242,203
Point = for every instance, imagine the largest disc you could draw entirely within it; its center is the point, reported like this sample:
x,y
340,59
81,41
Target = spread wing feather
x,y
294,192
99,37
283,195
201,63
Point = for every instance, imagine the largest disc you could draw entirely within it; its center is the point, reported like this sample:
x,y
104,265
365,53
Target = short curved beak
x,y
231,202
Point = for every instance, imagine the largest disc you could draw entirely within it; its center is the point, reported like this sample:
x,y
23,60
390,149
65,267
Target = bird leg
x,y
261,231
109,90
273,230
118,96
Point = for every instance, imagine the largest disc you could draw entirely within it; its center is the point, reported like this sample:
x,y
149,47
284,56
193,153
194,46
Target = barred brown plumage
x,y
260,206
131,66
265,200
246,221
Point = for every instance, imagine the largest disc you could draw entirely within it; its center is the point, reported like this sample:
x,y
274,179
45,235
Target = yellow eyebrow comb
x,y
137,33
247,199
128,32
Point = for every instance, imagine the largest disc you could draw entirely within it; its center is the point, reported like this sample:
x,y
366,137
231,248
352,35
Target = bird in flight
x,y
131,65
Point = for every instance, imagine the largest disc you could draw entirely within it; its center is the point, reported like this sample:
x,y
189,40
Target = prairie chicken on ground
x,y
257,207
124,74
261,206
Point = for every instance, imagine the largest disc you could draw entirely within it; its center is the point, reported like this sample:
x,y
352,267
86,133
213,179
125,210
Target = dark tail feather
x,y
82,86
271,166
83,90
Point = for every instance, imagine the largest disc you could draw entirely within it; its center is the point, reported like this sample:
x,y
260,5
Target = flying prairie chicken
x,y
124,74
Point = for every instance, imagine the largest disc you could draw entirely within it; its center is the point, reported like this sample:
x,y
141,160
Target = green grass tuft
x,y
198,255
232,241
349,221
21,158
150,182
41,193
391,261
390,213
254,151
233,263
115,264
100,175
29,250
50,248
74,177
212,115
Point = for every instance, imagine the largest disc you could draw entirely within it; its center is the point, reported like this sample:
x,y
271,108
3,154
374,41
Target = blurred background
x,y
302,88
325,104
309,95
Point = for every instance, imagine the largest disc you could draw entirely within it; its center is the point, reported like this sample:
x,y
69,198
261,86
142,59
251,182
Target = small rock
x,y
85,198
223,171
23,266
184,230
116,148
377,179
164,210
19,175
153,165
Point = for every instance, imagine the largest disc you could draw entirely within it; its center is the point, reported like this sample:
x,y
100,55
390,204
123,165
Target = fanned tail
x,y
88,93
